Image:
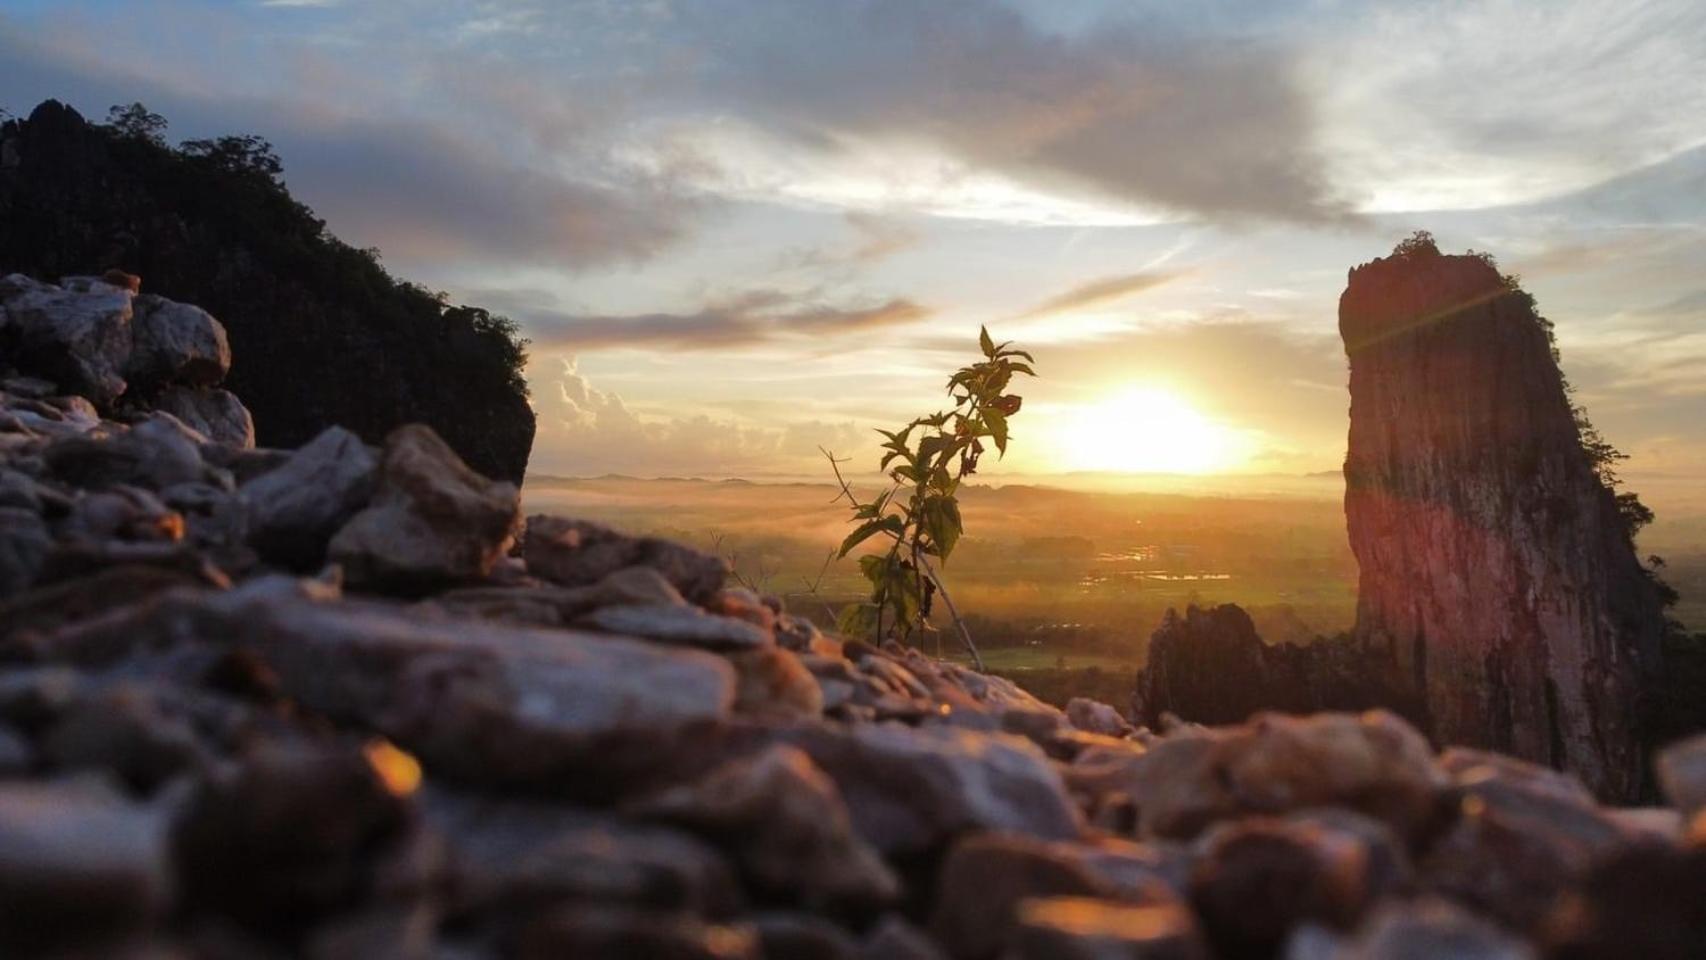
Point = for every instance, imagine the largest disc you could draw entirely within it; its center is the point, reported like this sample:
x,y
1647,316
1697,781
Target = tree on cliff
x,y
322,332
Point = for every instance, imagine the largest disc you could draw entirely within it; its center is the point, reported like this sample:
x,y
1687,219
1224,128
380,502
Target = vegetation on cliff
x,y
325,334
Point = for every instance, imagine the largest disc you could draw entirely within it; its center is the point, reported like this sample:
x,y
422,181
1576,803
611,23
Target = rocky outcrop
x,y
1210,666
104,343
322,334
446,750
1496,570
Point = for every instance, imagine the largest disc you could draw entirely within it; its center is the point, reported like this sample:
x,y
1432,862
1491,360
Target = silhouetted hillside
x,y
324,334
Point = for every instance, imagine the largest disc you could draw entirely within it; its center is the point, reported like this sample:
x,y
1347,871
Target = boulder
x,y
216,414
484,702
785,823
1093,716
24,544
175,343
294,509
80,339
911,790
154,454
605,932
1259,879
1682,775
506,853
772,682
986,877
432,521
1433,928
80,869
678,624
576,553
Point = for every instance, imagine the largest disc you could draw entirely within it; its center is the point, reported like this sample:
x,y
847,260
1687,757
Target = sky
x,y
737,231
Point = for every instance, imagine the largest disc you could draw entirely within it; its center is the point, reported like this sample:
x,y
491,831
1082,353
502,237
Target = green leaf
x,y
996,421
869,529
857,619
942,522
984,342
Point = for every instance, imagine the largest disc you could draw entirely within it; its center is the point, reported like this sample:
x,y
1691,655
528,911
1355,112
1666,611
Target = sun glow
x,y
1150,430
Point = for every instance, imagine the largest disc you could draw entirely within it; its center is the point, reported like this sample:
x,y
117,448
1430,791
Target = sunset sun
x,y
1150,430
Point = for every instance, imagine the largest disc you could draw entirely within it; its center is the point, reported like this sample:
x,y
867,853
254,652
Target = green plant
x,y
919,514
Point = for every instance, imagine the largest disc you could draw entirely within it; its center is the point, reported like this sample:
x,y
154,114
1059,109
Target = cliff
x,y
323,335
1496,569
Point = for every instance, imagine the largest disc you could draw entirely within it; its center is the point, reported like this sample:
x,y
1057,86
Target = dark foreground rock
x,y
439,746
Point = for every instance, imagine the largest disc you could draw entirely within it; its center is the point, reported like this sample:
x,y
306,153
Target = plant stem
x,y
965,635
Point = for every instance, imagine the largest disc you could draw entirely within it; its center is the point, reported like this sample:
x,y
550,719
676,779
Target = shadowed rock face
x,y
1495,569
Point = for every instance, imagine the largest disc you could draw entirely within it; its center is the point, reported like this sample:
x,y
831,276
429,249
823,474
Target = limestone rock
x,y
509,853
679,624
294,509
79,339
909,790
78,867
783,819
984,880
576,553
175,343
24,544
216,414
1682,775
1465,468
432,521
1259,879
154,454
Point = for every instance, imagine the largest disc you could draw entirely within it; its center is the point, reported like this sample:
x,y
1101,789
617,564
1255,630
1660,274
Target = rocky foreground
x,y
342,702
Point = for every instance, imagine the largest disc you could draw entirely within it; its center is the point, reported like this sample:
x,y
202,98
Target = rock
x,y
16,754
1074,928
1210,666
217,414
79,868
129,732
782,818
432,521
488,702
681,625
1092,716
1375,764
175,343
895,939
1682,775
508,854
910,790
1259,879
242,851
576,553
792,936
1465,466
771,682
1641,902
1431,928
293,510
79,339
985,878
154,454
607,934
24,544
1514,849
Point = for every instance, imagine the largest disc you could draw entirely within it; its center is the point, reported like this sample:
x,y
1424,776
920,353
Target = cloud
x,y
1149,113
416,190
755,317
586,431
1096,293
